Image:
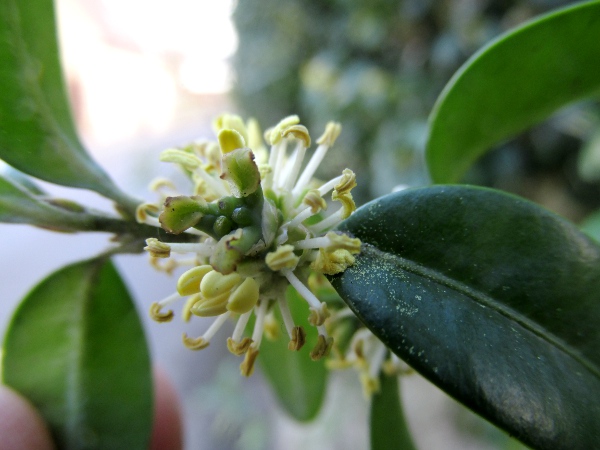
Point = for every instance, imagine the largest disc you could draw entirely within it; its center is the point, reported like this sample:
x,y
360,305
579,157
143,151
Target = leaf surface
x,y
492,298
514,82
37,134
76,349
388,425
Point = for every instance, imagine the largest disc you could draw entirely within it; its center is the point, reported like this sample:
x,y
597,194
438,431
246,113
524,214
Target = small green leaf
x,y
298,381
37,135
76,349
388,426
513,83
492,298
19,205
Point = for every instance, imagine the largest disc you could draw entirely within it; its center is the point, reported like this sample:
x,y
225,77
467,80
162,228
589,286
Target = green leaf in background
x,y
298,381
37,135
76,349
492,298
588,164
388,426
591,226
512,83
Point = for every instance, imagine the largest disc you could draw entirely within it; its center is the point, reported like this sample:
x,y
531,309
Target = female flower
x,y
257,221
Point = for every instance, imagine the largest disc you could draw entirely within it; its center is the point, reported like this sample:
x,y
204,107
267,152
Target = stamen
x,y
295,163
240,326
328,222
286,315
216,185
257,334
201,248
332,131
310,169
218,323
301,217
318,242
302,290
325,188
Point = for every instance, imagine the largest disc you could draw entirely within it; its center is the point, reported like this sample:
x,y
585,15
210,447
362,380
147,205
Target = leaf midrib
x,y
487,301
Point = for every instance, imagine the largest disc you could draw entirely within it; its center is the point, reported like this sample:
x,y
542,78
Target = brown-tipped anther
x,y
298,339
157,249
318,316
247,367
159,316
239,348
322,348
194,343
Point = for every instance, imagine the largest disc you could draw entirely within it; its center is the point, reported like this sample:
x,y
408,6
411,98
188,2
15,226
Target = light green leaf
x,y
513,83
492,298
298,381
76,349
37,135
388,426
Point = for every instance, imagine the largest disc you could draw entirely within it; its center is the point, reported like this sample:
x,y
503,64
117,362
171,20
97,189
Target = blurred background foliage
x,y
377,66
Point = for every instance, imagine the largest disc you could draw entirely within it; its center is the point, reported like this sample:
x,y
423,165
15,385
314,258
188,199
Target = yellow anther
x,y
318,316
239,348
299,132
195,343
189,282
275,134
332,131
232,122
230,140
210,307
370,385
282,258
347,203
215,284
330,263
186,313
255,138
145,209
298,339
322,348
347,183
247,367
186,159
338,364
159,316
264,170
343,241
313,199
271,328
157,249
244,297
162,183
168,267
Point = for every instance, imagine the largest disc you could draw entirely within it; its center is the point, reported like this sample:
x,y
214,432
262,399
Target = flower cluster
x,y
254,225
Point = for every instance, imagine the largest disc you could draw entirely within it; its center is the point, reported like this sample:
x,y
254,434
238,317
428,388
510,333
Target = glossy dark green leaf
x,y
492,298
37,135
388,425
513,83
76,349
298,381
